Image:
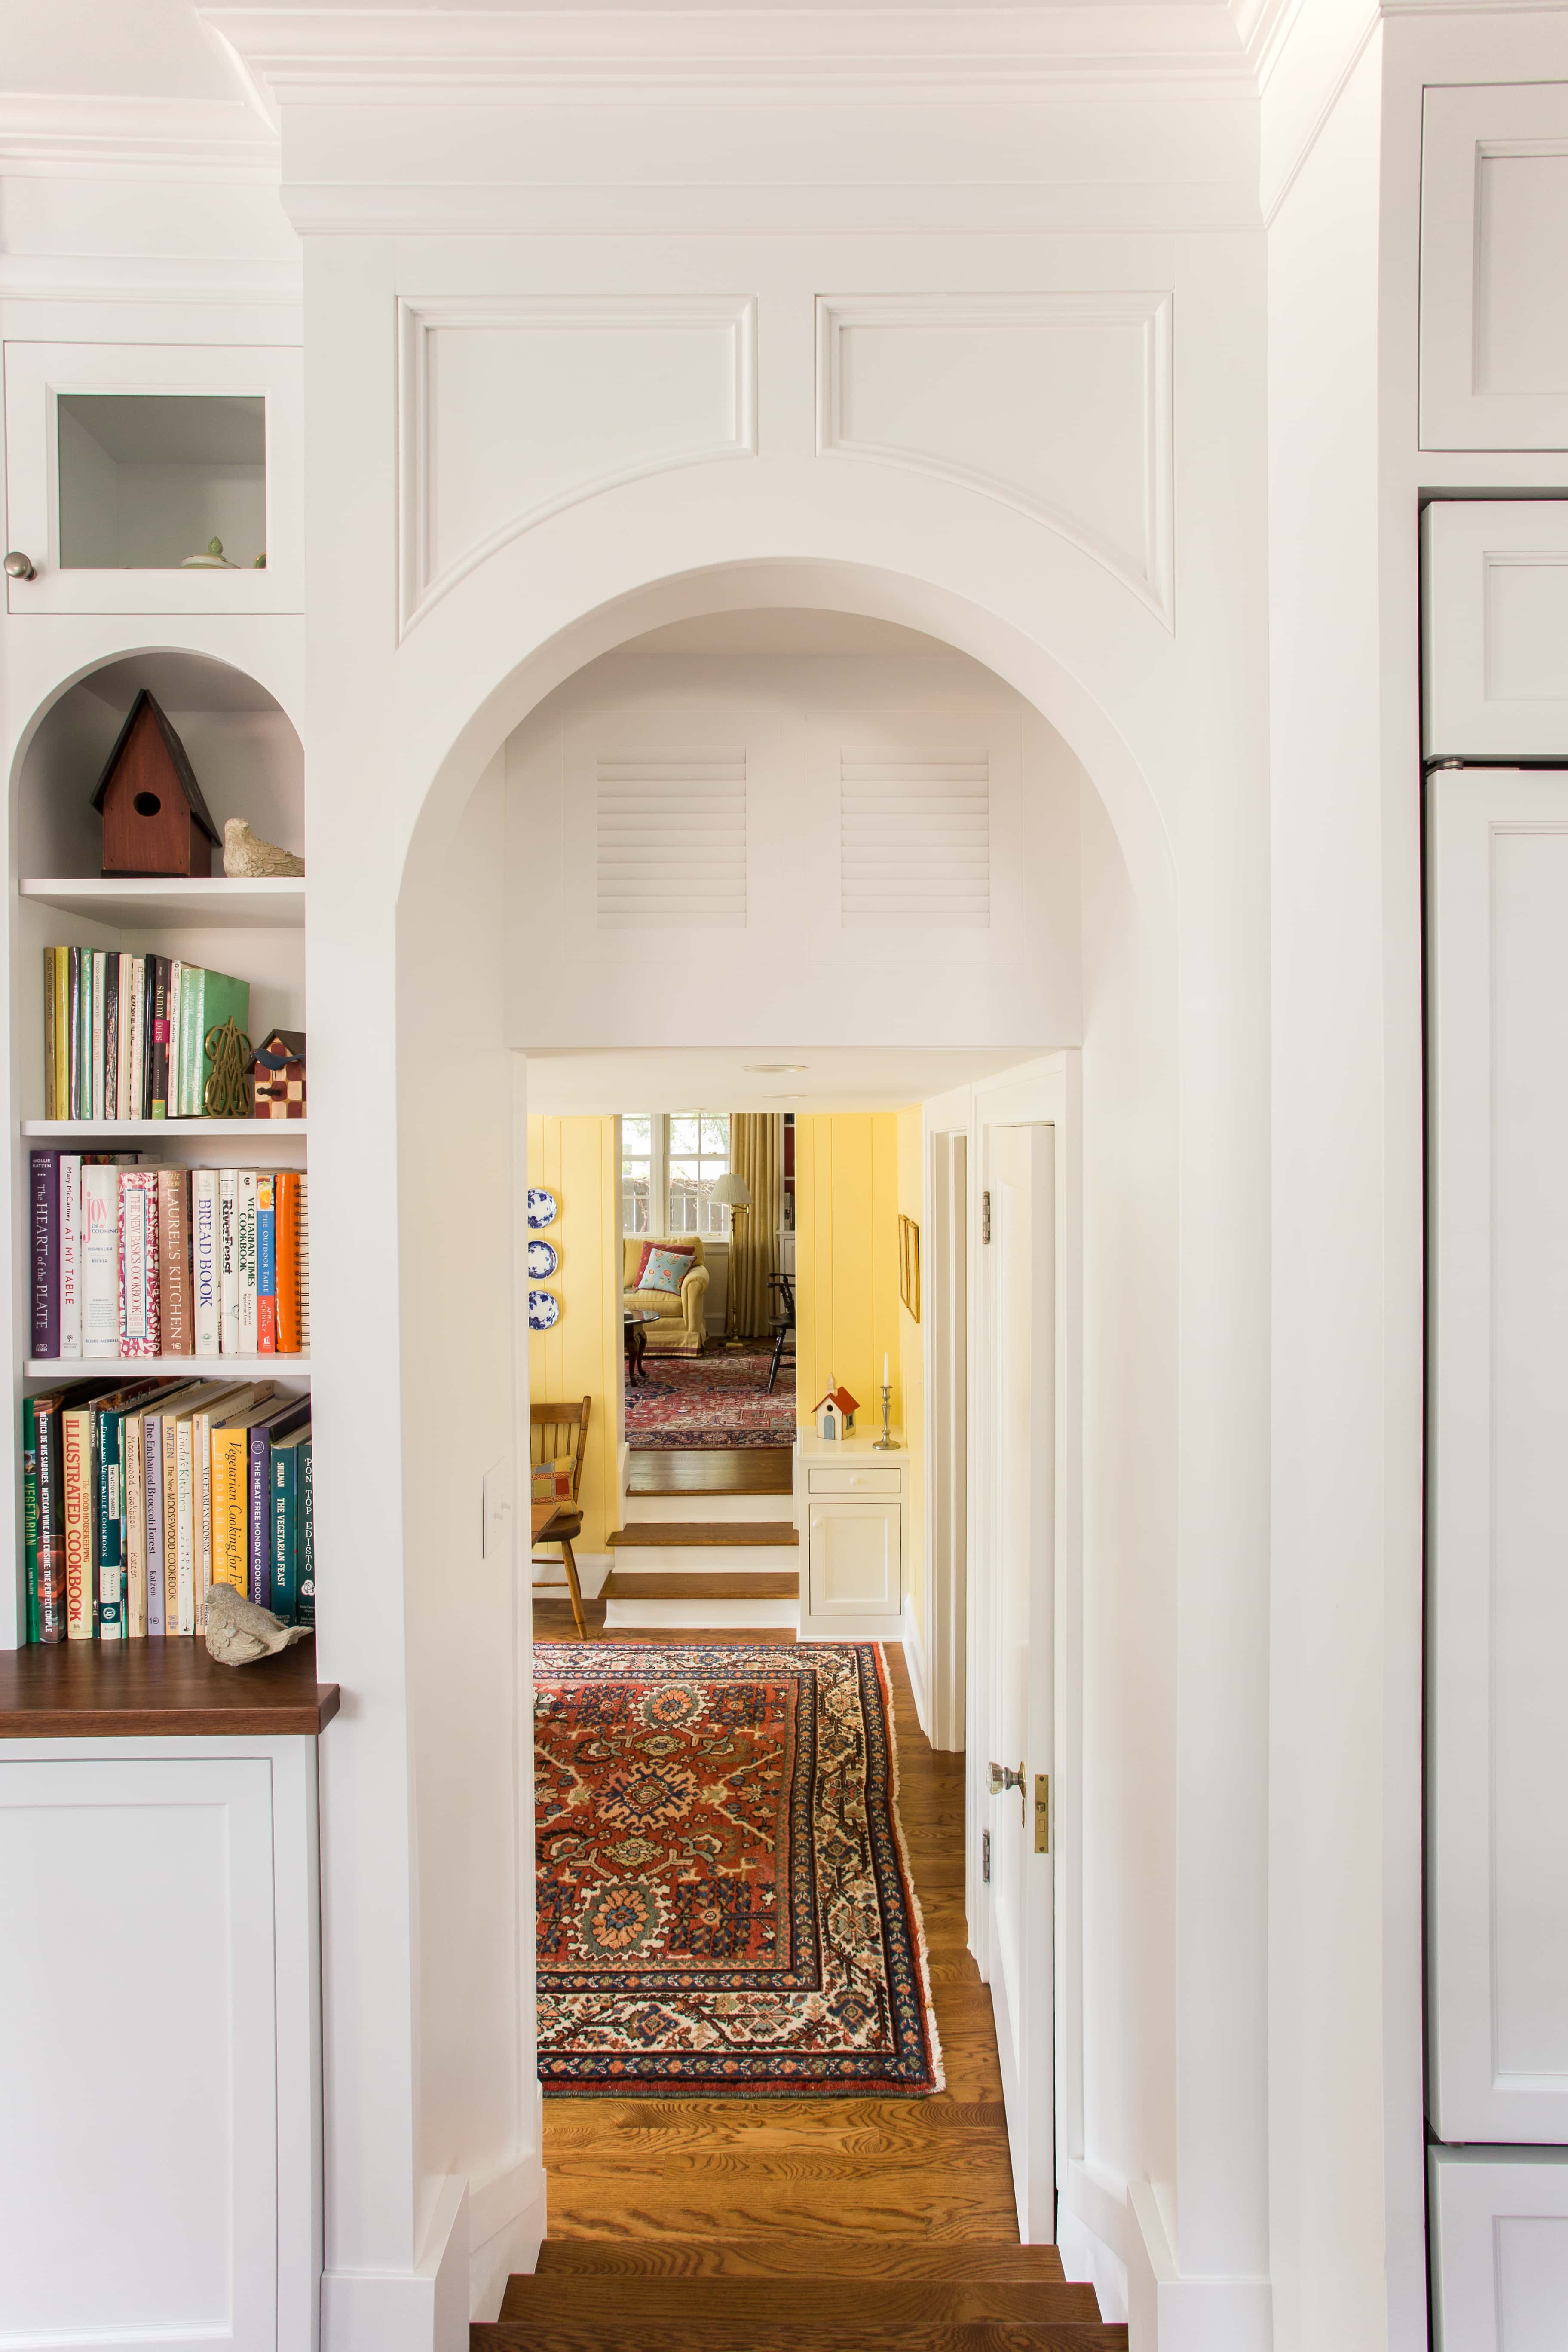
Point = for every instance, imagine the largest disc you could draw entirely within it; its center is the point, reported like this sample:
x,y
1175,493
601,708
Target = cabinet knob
x,y
19,566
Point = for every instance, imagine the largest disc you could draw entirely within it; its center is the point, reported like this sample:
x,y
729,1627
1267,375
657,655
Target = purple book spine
x,y
45,1252
259,1518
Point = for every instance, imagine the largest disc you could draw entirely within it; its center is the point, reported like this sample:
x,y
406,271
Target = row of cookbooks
x,y
137,1500
132,1259
124,1036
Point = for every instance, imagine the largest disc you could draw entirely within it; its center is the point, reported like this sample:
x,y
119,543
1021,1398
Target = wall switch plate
x,y
497,1509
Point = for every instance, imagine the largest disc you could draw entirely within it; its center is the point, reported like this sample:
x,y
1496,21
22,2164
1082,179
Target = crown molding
x,y
101,137
767,56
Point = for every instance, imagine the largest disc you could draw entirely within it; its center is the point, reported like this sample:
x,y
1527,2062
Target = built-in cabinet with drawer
x,y
1496,1527
850,1500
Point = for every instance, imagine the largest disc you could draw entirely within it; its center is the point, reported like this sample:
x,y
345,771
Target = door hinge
x,y
986,1216
1042,1812
985,1857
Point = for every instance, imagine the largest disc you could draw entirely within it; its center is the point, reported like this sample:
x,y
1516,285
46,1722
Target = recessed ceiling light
x,y
775,1069
788,1098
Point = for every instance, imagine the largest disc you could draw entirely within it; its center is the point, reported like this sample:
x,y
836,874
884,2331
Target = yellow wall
x,y
846,1260
912,1355
583,1356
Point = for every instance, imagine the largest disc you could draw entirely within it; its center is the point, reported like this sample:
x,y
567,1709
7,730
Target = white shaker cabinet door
x,y
854,1560
1499,2250
1495,639
1494,267
138,2155
1498,1455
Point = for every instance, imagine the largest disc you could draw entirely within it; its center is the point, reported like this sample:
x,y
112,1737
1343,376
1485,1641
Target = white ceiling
x,y
703,1078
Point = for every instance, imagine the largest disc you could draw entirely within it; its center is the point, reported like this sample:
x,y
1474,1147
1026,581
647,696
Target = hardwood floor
x,y
719,1470
686,2225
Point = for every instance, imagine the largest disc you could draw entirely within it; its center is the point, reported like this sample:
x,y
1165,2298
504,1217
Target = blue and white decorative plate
x,y
543,1310
543,1208
543,1258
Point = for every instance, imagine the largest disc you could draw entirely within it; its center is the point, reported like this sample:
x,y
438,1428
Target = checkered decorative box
x,y
278,1074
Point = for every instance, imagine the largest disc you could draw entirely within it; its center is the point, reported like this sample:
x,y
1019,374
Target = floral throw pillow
x,y
665,1270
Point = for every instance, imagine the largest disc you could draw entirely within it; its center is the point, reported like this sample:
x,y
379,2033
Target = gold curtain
x,y
756,1155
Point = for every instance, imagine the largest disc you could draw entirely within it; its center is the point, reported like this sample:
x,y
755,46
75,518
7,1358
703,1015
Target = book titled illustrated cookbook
x,y
137,1498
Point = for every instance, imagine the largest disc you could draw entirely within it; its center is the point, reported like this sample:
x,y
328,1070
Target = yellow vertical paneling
x,y
581,1357
846,1258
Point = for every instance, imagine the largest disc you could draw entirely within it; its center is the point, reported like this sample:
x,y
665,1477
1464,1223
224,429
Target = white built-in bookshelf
x,y
247,759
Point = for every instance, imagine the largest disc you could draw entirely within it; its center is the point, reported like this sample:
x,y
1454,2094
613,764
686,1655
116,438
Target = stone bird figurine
x,y
238,1632
247,856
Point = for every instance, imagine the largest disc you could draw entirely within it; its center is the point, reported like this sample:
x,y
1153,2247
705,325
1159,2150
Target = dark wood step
x,y
780,2255
784,2330
710,1470
891,2305
713,1584
650,1535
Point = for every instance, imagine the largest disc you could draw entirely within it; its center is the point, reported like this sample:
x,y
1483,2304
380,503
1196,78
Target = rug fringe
x,y
938,2069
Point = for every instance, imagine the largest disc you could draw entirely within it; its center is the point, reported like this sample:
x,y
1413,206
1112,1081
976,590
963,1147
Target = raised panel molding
x,y
1494,267
510,411
1056,405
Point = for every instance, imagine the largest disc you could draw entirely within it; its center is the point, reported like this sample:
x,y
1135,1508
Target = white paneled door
x,y
1498,1508
1015,1604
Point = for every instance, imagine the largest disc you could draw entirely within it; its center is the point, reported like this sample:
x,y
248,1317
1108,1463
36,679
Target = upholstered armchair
x,y
681,1330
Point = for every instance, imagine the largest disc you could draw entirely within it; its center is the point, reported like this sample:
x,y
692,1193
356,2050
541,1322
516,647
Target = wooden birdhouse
x,y
154,818
835,1411
279,1072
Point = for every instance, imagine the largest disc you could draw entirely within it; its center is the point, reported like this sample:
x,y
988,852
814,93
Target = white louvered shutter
x,y
915,843
672,842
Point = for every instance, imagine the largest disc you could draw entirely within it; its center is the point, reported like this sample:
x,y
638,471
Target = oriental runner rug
x,y
725,1905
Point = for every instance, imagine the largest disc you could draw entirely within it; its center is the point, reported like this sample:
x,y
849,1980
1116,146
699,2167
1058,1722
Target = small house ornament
x,y
278,1074
835,1411
154,818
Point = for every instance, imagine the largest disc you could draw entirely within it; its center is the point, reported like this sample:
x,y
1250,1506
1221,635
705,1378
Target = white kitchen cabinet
x,y
1494,267
1495,641
123,459
159,2081
1498,1501
1499,2250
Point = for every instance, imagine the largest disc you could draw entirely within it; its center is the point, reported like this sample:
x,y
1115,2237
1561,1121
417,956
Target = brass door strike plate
x,y
1042,1812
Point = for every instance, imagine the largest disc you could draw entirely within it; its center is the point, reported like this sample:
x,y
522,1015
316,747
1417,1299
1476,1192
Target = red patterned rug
x,y
719,1399
725,1901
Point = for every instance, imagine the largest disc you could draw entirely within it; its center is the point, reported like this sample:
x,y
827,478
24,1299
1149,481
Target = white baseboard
x,y
592,1574
422,2310
1113,2232
915,1660
721,1616
507,2220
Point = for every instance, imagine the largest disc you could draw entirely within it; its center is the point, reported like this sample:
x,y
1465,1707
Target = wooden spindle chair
x,y
557,1431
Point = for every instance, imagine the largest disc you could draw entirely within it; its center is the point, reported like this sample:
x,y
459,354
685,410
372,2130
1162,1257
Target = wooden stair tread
x,y
650,1535
780,2255
699,1584
890,2303
782,2331
710,1470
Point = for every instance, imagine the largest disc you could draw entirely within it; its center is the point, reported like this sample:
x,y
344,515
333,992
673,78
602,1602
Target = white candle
x,y
886,1383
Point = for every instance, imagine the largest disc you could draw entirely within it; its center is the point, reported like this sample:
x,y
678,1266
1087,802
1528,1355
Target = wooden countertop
x,y
158,1690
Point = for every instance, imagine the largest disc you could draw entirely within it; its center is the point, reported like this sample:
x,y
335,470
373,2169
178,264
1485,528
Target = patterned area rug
x,y
725,1901
719,1399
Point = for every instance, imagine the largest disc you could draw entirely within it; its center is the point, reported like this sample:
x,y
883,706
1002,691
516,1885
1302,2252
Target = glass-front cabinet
x,y
152,478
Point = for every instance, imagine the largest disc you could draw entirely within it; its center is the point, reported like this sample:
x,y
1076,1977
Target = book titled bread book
x,y
204,1260
139,1301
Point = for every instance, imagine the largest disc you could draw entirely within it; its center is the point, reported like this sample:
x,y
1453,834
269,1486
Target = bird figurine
x,y
238,1632
246,857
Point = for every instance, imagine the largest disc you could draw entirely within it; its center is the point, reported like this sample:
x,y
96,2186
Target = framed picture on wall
x,y
910,1265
